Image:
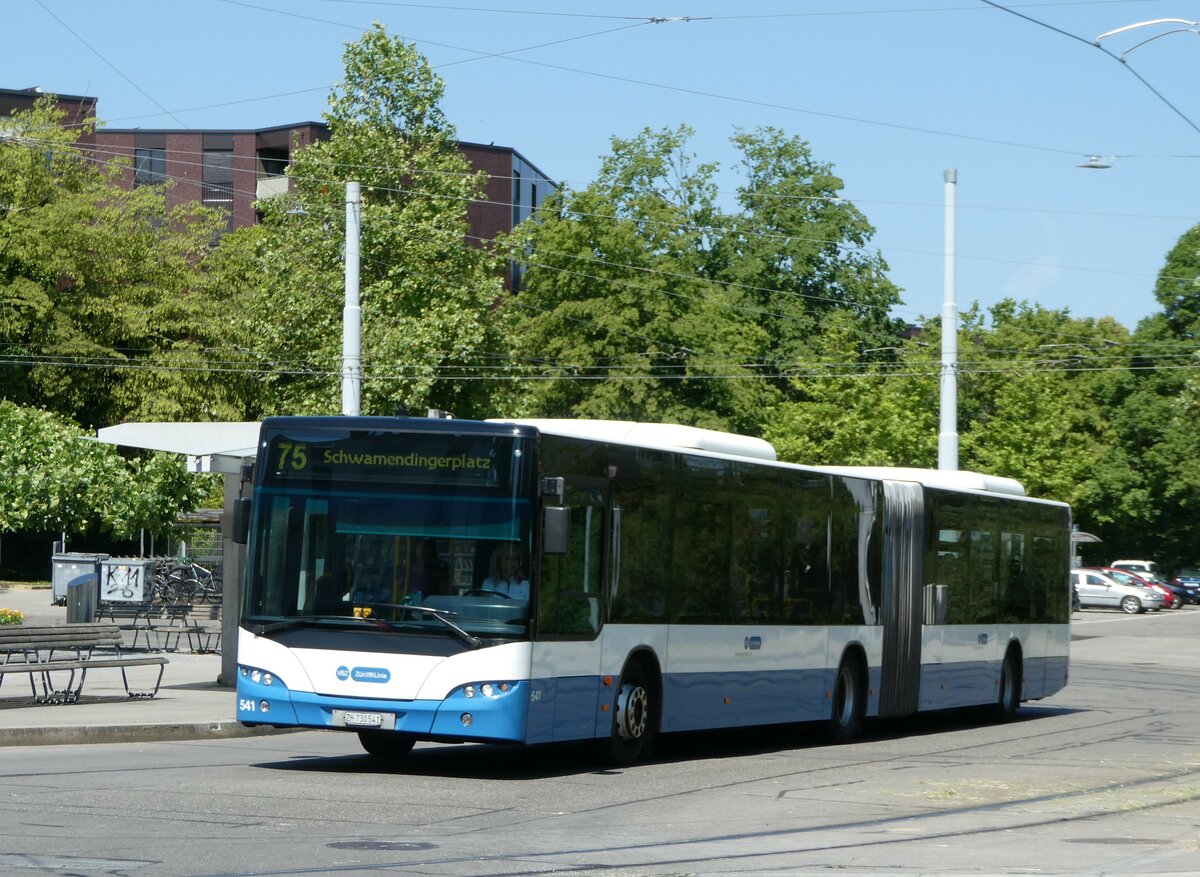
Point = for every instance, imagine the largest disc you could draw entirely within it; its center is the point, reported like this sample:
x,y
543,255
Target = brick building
x,y
231,169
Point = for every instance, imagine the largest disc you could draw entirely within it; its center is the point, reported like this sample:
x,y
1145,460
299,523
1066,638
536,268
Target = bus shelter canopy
x,y
209,447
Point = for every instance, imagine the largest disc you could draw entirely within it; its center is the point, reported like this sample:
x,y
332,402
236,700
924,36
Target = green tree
x,y
109,309
56,479
1154,414
1033,403
644,300
1031,382
852,406
427,294
799,249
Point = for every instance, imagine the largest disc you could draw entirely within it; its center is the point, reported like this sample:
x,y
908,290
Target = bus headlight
x,y
486,689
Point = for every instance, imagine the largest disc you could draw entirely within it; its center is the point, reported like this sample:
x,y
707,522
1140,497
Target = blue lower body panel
x,y
500,717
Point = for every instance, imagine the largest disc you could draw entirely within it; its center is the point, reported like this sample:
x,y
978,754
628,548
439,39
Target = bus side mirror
x,y
556,529
241,520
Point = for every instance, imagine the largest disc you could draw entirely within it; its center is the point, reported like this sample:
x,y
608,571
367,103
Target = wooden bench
x,y
38,651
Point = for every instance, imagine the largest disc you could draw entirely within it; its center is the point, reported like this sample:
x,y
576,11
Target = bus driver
x,y
505,576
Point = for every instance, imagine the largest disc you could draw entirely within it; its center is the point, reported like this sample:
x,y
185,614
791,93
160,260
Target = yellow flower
x,y
11,616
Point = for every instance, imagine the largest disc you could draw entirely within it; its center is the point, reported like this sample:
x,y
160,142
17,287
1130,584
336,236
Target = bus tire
x,y
386,745
849,701
632,732
1008,699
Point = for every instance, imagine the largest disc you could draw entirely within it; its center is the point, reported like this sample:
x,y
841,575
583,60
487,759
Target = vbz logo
x,y
343,673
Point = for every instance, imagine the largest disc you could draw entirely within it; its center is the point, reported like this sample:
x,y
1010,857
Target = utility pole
x,y
351,312
948,425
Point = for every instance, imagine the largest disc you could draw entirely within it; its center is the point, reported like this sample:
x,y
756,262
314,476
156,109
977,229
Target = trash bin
x,y
81,598
65,567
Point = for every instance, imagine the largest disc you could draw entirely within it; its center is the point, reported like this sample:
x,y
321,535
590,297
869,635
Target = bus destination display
x,y
388,460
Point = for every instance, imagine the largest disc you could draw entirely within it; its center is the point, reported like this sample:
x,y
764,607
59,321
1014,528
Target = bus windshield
x,y
392,531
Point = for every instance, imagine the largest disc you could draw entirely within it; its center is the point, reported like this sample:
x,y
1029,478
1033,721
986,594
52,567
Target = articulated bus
x,y
430,579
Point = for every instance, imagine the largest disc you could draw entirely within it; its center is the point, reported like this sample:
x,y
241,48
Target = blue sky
x,y
890,92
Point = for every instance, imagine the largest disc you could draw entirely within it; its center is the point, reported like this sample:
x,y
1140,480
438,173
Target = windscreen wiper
x,y
297,622
440,614
265,627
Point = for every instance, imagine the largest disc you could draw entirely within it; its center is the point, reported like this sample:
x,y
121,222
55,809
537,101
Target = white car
x,y
1137,567
1094,588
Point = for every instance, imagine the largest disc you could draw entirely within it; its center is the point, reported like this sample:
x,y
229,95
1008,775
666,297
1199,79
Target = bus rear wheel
x,y
849,701
385,745
1009,698
633,719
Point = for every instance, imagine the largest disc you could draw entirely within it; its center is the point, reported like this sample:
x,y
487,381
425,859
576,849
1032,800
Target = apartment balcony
x,y
270,186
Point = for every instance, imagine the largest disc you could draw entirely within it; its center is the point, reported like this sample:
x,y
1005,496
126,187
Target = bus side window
x,y
569,593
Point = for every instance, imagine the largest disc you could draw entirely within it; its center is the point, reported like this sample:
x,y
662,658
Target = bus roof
x,y
675,437
949,479
656,435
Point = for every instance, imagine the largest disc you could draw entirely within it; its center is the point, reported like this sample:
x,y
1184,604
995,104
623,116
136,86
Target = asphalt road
x,y
1103,778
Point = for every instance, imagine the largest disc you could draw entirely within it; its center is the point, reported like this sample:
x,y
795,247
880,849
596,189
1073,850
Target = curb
x,y
148,733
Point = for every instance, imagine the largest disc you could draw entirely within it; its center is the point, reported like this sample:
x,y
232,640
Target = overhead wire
x,y
108,63
123,154
872,338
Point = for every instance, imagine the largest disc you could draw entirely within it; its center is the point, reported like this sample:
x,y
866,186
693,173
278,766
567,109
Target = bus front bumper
x,y
478,711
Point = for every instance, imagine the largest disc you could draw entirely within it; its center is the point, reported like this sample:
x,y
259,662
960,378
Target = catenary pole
x,y
948,420
351,312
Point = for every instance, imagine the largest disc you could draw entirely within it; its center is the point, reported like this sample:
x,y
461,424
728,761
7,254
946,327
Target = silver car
x,y
1095,588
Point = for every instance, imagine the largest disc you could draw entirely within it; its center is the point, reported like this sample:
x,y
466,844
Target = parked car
x,y
1189,581
1172,598
1098,589
1183,592
1137,567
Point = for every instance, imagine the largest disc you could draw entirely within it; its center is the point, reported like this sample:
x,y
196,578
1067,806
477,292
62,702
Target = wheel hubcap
x,y
633,708
845,698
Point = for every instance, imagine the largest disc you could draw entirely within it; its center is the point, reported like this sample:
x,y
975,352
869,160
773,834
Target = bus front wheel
x,y
633,719
385,745
849,701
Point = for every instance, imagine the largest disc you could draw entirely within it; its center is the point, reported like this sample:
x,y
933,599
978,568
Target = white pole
x,y
351,312
948,426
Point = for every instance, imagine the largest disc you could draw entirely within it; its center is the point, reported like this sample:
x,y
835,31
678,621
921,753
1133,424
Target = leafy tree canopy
x,y
108,309
427,294
643,299
55,478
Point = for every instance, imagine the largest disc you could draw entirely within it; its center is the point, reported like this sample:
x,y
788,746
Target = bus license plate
x,y
353,719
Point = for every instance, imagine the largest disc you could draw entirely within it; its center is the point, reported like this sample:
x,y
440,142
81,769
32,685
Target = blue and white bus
x,y
420,579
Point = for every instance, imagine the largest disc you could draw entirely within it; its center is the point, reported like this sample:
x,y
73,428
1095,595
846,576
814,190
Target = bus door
x,y
566,654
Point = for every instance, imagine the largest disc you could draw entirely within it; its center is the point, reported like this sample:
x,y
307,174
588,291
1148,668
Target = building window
x,y
218,179
217,186
149,167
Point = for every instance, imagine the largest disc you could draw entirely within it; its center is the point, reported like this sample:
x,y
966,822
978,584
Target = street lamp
x,y
1189,28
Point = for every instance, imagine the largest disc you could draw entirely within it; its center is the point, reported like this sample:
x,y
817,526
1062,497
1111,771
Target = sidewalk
x,y
189,705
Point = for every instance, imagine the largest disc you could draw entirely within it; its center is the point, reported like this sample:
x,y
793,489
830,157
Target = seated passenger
x,y
429,574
